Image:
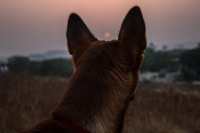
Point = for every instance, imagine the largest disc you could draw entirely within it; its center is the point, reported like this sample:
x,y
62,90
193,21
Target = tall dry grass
x,y
165,108
24,100
157,108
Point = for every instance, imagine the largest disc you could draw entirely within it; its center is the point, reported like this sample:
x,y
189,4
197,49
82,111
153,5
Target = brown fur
x,y
105,79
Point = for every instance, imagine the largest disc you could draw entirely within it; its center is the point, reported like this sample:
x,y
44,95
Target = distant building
x,y
149,76
159,76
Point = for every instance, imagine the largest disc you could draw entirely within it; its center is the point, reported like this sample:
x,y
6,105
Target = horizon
x,y
39,26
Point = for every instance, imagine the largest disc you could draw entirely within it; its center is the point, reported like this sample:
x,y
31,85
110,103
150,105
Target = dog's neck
x,y
96,100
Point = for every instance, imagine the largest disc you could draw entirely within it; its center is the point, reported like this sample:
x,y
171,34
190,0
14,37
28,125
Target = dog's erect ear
x,y
78,35
132,33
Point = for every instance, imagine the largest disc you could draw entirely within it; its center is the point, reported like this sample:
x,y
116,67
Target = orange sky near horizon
x,y
34,26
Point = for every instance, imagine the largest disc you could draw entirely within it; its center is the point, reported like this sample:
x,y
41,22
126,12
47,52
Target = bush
x,y
52,67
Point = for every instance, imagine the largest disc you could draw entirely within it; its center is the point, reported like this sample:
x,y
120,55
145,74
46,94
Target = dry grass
x,y
24,101
166,108
157,108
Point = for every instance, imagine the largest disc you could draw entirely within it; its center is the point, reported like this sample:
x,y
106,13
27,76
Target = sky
x,y
34,26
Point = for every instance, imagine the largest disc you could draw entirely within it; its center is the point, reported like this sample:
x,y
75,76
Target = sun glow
x,y
29,25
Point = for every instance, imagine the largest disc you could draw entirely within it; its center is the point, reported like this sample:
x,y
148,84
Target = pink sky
x,y
28,26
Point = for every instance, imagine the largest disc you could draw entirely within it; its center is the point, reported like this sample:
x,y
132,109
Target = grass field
x,y
157,108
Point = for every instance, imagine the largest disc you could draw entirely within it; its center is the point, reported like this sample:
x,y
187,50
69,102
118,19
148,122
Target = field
x,y
157,108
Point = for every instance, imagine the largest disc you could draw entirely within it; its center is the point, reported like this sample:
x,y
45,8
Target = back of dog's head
x,y
124,54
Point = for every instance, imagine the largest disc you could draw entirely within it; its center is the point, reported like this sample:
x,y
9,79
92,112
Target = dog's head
x,y
123,55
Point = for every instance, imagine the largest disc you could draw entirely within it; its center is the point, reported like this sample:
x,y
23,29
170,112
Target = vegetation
x,y
190,61
185,62
52,67
157,108
161,60
182,61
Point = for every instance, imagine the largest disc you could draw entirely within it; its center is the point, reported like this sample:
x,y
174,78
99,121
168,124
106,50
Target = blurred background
x,y
35,64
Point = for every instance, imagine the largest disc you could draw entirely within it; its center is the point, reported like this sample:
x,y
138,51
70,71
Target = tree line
x,y
186,62
52,67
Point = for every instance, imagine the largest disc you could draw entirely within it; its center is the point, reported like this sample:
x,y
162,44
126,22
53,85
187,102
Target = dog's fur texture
x,y
105,78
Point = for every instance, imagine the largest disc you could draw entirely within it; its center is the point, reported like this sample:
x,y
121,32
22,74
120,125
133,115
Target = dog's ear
x,y
79,37
132,34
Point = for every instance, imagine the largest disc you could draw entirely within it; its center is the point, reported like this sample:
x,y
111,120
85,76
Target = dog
x,y
104,80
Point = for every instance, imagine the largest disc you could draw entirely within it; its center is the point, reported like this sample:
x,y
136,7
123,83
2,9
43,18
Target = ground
x,y
157,108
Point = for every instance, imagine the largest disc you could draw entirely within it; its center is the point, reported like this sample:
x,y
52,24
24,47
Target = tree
x,y
156,61
198,45
52,67
190,64
164,48
152,46
18,64
56,67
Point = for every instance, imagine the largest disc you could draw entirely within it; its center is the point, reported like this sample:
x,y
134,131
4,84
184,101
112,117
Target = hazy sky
x,y
28,26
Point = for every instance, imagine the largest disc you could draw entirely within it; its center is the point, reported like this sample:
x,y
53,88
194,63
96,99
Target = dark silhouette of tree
x,y
18,64
52,67
190,64
56,67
